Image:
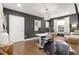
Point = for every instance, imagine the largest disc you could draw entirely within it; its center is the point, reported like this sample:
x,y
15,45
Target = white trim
x,y
34,38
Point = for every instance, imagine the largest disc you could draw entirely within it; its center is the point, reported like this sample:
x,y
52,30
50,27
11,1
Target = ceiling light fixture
x,y
19,5
46,15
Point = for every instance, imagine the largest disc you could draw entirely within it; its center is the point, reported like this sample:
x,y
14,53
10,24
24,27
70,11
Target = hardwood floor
x,y
30,48
75,48
27,48
18,48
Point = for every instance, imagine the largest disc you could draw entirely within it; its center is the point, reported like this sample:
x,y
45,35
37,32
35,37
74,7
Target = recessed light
x,y
19,5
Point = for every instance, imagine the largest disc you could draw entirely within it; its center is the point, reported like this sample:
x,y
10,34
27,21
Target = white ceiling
x,y
38,9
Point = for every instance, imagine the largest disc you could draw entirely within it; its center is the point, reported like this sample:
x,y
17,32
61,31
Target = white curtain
x,y
66,25
1,18
55,26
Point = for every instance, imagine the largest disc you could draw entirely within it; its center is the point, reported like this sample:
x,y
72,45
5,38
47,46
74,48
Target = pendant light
x,y
46,15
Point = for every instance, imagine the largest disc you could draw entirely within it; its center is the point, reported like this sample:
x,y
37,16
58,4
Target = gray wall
x,y
51,25
73,19
29,22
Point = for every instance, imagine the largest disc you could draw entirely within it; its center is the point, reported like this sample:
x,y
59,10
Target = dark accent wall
x,y
51,25
76,9
73,20
29,22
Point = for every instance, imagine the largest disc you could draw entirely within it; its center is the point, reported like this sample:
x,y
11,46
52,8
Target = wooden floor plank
x,y
27,48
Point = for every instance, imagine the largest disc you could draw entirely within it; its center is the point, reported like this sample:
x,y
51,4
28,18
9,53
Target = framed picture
x,y
37,25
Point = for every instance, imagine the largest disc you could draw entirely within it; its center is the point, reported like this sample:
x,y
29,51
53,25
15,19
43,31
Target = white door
x,y
16,28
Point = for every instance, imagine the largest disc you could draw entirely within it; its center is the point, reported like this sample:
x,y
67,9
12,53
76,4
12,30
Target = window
x,y
47,24
60,24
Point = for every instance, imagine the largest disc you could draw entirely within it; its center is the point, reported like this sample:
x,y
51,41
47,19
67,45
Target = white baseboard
x,y
34,38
